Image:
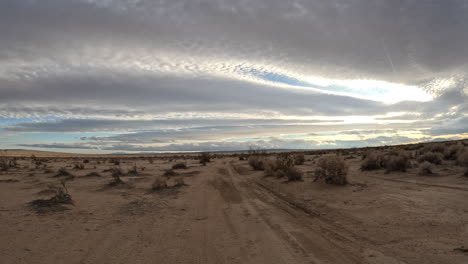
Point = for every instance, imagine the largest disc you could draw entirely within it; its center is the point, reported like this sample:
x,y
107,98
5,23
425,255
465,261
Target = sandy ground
x,y
228,213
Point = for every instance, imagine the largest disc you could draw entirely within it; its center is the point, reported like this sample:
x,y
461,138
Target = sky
x,y
134,76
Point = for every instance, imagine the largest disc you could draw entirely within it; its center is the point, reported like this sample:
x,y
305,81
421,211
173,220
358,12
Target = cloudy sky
x,y
204,75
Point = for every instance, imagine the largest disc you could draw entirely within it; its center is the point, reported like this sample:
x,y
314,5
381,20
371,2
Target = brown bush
x,y
256,162
332,169
284,161
462,160
180,165
169,173
269,167
398,162
426,168
432,157
204,158
158,184
133,170
293,174
299,159
451,153
373,161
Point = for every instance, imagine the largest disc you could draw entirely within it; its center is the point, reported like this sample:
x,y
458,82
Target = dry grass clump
x,y
60,196
426,168
116,180
332,169
133,170
397,161
204,158
257,162
293,174
372,161
63,172
434,147
159,183
299,159
179,166
432,157
78,166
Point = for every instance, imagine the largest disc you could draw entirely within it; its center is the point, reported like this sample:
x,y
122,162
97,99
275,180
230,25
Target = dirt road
x,y
226,214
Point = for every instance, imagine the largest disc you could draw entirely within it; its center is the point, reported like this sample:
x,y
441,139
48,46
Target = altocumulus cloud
x,y
180,75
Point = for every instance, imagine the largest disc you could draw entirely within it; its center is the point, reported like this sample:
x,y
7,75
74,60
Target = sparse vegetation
x,y
332,169
426,168
170,173
60,196
159,183
78,166
179,165
299,159
133,170
63,172
257,162
397,161
432,157
204,158
372,161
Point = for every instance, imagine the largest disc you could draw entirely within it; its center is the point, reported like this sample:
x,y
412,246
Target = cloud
x,y
169,72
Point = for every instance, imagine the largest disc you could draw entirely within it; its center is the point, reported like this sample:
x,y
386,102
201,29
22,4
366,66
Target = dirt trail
x,y
223,216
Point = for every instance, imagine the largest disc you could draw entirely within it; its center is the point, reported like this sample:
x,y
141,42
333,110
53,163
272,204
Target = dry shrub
x,y
299,159
133,170
204,158
62,172
78,166
180,165
61,196
4,165
269,167
432,157
426,168
332,169
398,161
293,174
158,184
284,161
434,147
116,180
257,162
169,173
372,161
462,160
451,153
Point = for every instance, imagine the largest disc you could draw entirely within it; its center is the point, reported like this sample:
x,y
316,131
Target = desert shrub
x,y
204,158
299,159
398,162
372,161
180,165
116,172
78,166
269,167
426,168
242,156
116,180
86,161
293,174
432,157
4,165
462,160
54,203
332,169
158,184
451,152
257,162
133,170
169,173
63,172
284,161
434,147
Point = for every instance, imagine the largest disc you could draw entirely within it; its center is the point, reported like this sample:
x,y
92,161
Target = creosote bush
x,y
332,169
432,157
257,162
159,183
204,158
299,159
398,161
372,161
426,168
179,165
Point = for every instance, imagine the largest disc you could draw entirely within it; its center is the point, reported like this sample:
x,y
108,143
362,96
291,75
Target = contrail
x,y
388,56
